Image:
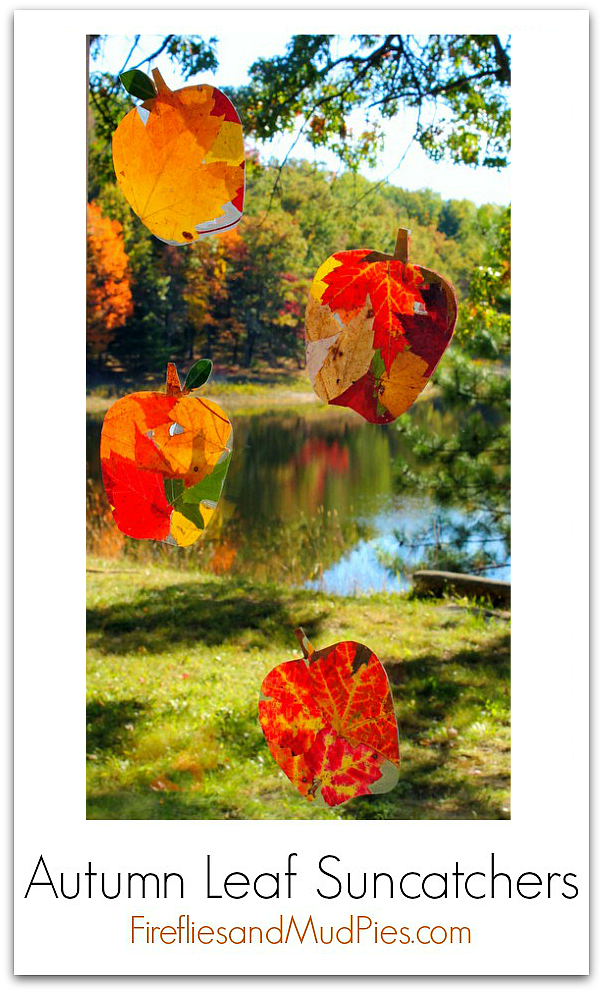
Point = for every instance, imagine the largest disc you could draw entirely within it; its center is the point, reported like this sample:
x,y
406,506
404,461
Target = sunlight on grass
x,y
175,661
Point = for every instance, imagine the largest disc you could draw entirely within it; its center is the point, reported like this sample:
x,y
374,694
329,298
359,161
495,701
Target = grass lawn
x,y
175,663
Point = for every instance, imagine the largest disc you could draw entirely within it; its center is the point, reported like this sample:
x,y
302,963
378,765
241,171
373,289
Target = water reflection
x,y
310,498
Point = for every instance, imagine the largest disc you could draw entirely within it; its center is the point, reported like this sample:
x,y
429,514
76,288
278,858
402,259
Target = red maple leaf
x,y
347,284
394,292
340,770
392,287
329,721
137,498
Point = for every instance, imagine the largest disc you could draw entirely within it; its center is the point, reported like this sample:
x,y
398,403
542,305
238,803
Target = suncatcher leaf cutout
x,y
164,459
329,723
179,159
376,328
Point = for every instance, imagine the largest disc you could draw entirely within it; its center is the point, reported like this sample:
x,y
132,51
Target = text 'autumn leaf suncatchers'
x,y
329,722
164,459
376,328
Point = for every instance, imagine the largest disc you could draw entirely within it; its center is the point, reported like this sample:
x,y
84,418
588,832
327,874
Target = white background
x,y
548,830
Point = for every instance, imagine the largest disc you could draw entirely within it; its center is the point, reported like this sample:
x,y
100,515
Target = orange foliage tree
x,y
108,295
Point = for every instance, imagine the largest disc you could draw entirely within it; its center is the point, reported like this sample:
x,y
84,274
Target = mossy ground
x,y
175,663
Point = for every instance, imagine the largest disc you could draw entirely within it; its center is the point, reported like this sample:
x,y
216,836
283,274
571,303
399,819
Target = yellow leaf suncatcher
x,y
179,161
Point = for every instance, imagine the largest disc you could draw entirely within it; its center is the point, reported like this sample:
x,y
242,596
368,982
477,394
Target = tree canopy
x,y
457,84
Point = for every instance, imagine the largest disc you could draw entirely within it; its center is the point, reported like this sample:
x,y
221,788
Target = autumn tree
x,y
258,283
209,322
108,295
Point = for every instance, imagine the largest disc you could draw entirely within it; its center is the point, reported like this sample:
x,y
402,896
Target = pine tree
x,y
468,465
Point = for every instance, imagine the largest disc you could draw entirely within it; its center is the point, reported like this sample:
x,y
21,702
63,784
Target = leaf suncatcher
x,y
329,722
164,459
376,328
179,159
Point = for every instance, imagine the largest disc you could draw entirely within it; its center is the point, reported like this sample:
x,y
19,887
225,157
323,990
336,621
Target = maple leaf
x,y
179,161
329,722
137,498
347,284
128,419
394,293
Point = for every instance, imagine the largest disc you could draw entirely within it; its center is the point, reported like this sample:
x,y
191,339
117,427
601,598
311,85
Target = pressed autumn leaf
x,y
179,161
137,499
164,458
342,354
344,770
329,722
394,292
376,327
381,396
347,284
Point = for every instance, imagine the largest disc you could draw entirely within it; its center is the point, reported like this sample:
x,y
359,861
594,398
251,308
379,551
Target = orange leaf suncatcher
x,y
329,722
376,328
164,459
180,162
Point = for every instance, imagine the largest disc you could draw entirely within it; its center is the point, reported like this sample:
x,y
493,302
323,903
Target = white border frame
x,y
549,826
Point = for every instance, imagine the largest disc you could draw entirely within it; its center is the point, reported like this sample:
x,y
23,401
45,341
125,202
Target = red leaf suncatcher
x,y
329,722
376,328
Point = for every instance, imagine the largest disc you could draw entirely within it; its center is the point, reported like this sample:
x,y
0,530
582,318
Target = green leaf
x,y
198,374
377,365
187,500
209,488
138,84
173,489
192,513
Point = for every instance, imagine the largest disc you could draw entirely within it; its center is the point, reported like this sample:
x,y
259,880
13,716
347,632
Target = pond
x,y
310,498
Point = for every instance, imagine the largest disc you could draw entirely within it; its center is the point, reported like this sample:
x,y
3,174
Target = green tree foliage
x,y
457,84
471,466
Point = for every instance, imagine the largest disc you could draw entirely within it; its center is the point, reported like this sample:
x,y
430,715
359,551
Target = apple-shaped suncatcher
x,y
179,159
164,459
376,328
329,722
